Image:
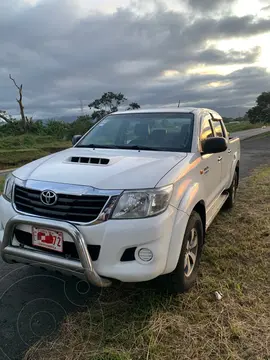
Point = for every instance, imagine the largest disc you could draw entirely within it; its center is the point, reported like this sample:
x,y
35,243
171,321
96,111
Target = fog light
x,y
145,254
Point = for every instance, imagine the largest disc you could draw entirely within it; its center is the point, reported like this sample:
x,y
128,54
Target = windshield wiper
x,y
126,147
95,146
139,147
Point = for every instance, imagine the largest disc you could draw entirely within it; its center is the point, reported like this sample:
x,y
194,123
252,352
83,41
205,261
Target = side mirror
x,y
214,145
75,139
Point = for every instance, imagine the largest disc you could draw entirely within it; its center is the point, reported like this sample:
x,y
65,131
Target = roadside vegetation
x,y
2,180
139,322
25,140
21,149
243,125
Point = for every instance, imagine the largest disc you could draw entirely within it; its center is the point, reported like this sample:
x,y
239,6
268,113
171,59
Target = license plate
x,y
48,239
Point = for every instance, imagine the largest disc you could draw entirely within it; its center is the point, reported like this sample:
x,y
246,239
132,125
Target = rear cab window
x,y
218,128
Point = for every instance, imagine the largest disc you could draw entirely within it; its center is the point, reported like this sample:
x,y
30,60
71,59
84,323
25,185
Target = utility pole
x,y
178,103
81,106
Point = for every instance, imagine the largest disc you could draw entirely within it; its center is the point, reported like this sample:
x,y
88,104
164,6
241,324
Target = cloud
x,y
210,5
62,58
266,8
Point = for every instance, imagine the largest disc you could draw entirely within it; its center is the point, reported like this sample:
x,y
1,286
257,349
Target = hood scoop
x,y
89,160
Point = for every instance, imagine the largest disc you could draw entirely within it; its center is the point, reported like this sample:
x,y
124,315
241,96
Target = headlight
x,y
8,187
142,203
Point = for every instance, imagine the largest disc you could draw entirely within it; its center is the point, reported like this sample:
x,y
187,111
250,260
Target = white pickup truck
x,y
131,200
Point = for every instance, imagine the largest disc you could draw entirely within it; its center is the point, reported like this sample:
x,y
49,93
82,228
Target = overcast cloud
x,y
154,58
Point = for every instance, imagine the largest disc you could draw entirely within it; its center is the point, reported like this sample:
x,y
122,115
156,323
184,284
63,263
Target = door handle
x,y
219,158
229,151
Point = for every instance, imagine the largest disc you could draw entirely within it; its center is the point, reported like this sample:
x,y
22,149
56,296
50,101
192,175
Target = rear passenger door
x,y
225,158
211,166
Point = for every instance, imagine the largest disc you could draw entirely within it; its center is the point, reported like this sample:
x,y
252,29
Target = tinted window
x,y
218,128
206,131
160,131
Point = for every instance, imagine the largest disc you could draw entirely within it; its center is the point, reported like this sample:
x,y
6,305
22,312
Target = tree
x,y
25,120
133,106
4,115
260,112
108,103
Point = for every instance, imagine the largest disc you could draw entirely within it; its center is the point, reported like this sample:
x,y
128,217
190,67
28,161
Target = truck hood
x,y
126,169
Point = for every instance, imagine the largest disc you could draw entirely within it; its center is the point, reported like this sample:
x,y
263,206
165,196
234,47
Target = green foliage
x,y
133,106
108,103
53,129
57,129
260,112
26,141
80,126
21,149
2,181
243,125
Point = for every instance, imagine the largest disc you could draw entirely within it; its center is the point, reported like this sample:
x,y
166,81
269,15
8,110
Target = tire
x,y
229,204
184,277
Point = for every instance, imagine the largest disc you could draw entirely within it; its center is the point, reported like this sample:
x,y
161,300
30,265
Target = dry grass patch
x,y
138,323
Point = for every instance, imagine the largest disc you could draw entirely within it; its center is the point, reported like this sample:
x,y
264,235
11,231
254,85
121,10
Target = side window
x,y
218,128
206,130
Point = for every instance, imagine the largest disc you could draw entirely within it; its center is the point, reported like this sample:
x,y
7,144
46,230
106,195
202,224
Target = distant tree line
x,y
109,102
260,112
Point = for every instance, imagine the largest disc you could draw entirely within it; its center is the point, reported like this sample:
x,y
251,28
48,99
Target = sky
x,y
66,53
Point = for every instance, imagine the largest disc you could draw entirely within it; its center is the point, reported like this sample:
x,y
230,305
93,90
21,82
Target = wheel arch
x,y
178,233
201,210
237,169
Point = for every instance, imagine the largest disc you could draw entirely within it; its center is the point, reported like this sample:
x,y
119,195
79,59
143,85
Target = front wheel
x,y
186,271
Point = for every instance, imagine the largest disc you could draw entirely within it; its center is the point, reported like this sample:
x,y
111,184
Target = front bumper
x,y
85,265
113,237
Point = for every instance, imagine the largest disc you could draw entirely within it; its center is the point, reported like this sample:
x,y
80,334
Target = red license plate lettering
x,y
47,238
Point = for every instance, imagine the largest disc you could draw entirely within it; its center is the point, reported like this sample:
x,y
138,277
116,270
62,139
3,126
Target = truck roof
x,y
192,110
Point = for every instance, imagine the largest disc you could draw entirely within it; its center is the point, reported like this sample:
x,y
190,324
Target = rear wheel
x,y
186,271
229,204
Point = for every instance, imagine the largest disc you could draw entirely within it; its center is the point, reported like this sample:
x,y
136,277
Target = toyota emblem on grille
x,y
48,197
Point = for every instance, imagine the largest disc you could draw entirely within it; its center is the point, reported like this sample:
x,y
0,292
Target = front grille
x,y
69,248
83,208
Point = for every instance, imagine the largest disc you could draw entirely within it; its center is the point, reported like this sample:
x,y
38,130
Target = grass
x,y
245,125
2,180
137,322
16,151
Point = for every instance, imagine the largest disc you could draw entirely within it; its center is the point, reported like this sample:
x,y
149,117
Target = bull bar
x,y
85,265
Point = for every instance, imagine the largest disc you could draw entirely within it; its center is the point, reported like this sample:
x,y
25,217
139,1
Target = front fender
x,y
193,194
176,241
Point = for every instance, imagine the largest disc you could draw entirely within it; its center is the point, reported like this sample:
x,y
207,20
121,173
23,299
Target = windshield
x,y
142,131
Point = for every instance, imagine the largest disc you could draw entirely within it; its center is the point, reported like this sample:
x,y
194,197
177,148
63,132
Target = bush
x,y
55,129
80,126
